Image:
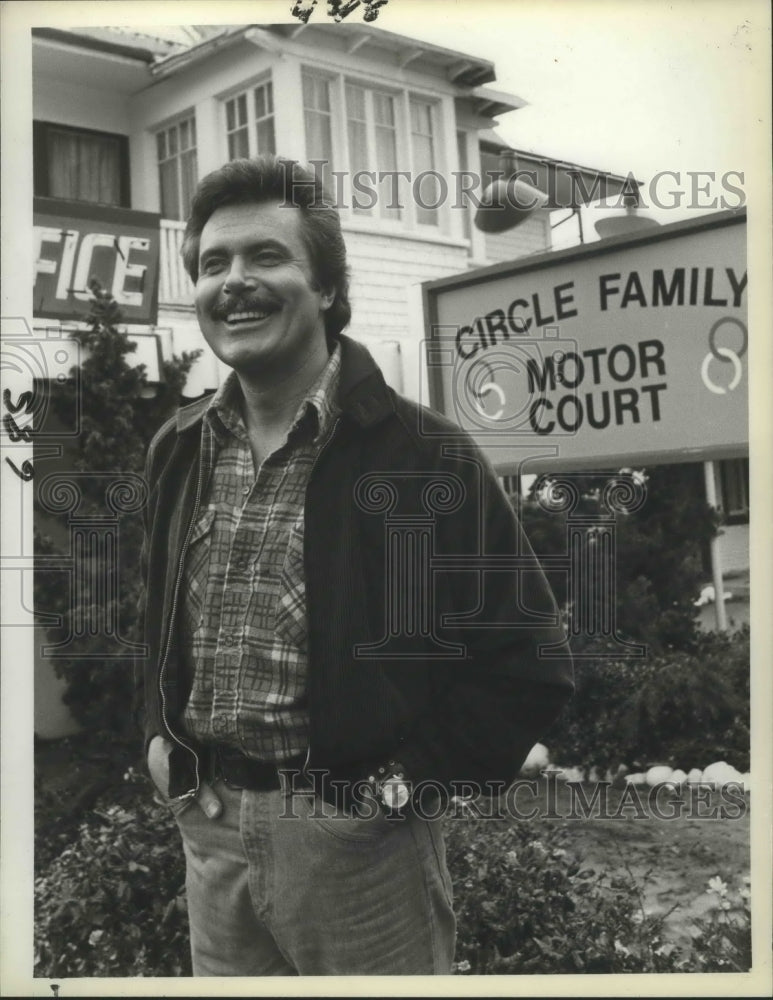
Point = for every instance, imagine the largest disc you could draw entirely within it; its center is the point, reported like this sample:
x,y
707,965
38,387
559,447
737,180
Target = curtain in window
x,y
386,152
424,160
316,113
84,167
170,199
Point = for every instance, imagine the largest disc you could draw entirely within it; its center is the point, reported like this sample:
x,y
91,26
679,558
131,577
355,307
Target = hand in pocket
x,y
158,766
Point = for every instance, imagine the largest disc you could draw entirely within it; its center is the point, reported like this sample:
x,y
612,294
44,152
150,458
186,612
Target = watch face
x,y
395,793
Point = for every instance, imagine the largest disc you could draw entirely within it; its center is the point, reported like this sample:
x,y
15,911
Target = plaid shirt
x,y
244,609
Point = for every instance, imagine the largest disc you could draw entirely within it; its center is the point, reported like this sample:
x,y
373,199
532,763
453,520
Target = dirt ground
x,y
671,860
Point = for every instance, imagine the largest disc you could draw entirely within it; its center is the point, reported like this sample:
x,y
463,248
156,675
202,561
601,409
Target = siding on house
x,y
734,548
531,236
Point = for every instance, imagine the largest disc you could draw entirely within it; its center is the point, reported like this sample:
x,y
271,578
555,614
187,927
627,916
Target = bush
x,y
660,549
112,903
525,905
117,422
723,940
682,708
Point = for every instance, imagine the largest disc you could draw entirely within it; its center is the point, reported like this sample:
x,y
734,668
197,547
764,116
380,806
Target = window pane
x,y
384,109
421,117
261,109
424,160
172,137
358,146
318,141
358,161
241,109
184,128
422,153
266,143
230,123
386,160
84,167
161,143
465,208
170,204
316,93
319,144
308,91
189,176
355,102
270,97
238,145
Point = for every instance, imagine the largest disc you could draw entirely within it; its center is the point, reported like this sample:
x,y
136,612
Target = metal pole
x,y
716,562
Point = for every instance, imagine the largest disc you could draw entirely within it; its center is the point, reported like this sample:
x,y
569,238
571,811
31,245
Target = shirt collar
x,y
317,409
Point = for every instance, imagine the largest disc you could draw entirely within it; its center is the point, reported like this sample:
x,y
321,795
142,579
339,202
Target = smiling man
x,y
303,760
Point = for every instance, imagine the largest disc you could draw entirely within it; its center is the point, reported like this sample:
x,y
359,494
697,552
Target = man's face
x,y
256,300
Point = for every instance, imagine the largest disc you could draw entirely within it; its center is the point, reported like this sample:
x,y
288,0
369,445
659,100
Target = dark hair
x,y
274,178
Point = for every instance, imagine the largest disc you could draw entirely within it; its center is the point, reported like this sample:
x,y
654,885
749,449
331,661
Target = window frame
x,y
436,135
165,127
41,180
737,470
248,92
373,215
408,222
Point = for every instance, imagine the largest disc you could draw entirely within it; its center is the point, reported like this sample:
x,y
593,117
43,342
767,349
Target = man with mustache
x,y
302,755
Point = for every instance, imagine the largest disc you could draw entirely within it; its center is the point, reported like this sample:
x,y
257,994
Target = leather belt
x,y
241,772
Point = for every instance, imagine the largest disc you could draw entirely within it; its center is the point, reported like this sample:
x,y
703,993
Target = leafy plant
x,y
723,940
660,550
119,414
682,708
112,903
525,905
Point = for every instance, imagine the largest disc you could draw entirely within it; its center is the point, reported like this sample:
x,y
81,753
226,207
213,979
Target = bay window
x,y
372,131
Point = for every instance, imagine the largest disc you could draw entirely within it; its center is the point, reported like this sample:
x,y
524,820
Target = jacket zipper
x,y
325,445
180,568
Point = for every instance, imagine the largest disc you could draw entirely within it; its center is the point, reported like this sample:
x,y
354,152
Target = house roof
x,y
165,51
457,67
143,48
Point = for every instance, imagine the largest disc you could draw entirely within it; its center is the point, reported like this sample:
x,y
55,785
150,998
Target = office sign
x,y
626,351
77,241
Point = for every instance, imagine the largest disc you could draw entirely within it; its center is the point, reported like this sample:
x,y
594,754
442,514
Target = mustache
x,y
251,303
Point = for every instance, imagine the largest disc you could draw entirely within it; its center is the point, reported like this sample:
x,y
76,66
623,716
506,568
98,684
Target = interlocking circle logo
x,y
483,389
724,355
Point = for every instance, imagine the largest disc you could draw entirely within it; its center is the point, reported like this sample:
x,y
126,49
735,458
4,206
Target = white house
x,y
132,120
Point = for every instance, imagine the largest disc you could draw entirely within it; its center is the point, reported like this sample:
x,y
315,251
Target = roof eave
x,y
74,40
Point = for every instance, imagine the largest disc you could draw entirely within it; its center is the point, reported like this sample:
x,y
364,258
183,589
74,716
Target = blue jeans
x,y
281,885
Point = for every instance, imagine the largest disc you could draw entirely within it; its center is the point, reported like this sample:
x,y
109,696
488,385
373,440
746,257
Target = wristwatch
x,y
391,787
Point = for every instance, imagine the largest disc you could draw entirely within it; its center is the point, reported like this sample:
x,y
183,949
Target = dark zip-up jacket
x,y
420,648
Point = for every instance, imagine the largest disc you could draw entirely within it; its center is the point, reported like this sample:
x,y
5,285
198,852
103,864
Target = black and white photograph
x,y
386,491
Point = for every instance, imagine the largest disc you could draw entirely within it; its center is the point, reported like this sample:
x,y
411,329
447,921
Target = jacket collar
x,y
363,393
